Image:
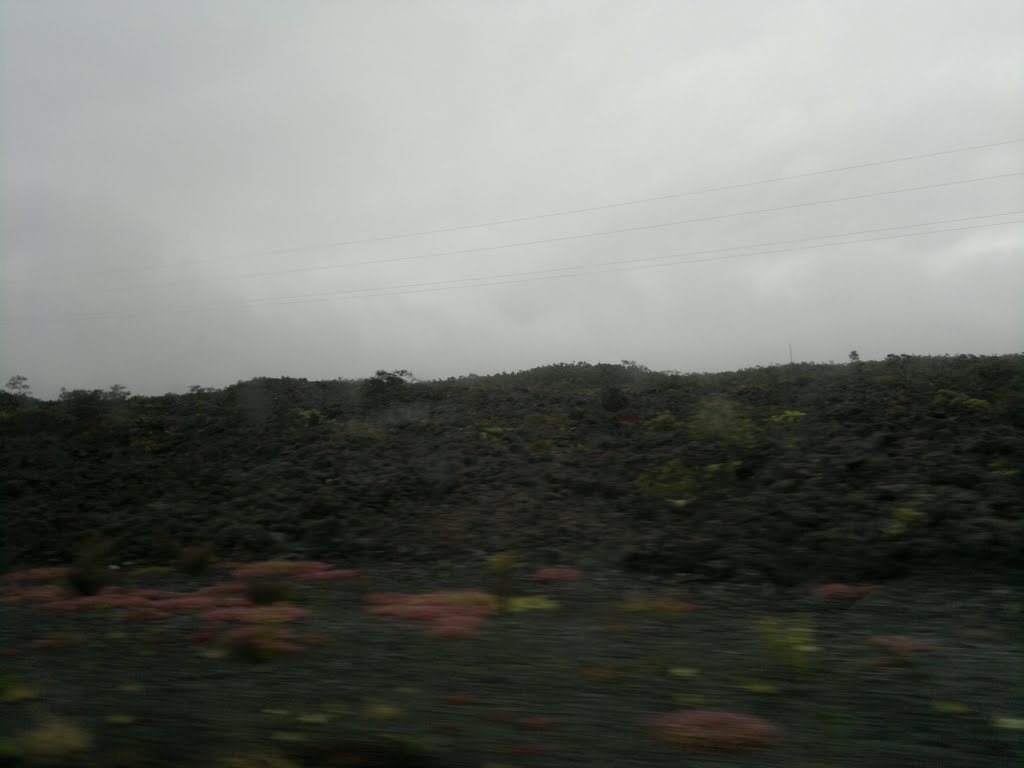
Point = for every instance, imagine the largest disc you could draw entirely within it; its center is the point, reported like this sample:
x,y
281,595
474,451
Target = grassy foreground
x,y
299,663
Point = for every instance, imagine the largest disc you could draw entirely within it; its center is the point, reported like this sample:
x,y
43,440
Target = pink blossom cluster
x,y
707,730
218,604
843,591
455,614
307,570
558,574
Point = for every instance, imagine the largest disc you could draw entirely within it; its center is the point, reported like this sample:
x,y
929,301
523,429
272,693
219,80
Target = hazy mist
x,y
202,192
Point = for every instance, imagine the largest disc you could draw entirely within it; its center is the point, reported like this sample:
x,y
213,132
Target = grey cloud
x,y
155,154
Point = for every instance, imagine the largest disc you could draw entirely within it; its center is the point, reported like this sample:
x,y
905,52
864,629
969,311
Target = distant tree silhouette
x,y
18,385
387,387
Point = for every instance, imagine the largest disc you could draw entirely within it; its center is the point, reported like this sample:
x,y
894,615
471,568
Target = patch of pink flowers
x,y
452,598
455,614
160,594
56,642
225,588
843,591
329,575
456,627
900,644
44,593
197,603
460,699
277,568
36,574
706,730
558,574
387,598
257,614
429,612
146,613
107,598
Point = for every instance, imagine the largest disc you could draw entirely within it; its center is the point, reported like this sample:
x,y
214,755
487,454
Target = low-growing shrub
x,y
195,560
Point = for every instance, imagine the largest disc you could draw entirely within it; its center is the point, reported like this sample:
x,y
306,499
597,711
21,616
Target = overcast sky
x,y
198,192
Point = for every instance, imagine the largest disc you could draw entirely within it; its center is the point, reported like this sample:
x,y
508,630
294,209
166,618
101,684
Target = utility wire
x,y
586,235
638,228
674,262
553,214
638,201
715,250
621,265
625,265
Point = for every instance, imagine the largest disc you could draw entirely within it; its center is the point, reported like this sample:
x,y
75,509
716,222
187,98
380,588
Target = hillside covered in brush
x,y
782,474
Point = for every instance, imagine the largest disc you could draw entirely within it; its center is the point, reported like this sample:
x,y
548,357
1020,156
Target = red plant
x,y
558,574
456,627
260,614
705,730
330,575
456,597
388,598
277,568
45,593
146,614
843,591
204,637
980,635
36,574
226,588
56,642
457,614
429,612
189,603
159,594
105,599
900,644
460,698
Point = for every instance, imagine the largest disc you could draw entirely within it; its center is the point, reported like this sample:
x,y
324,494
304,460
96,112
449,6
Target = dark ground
x,y
572,685
746,489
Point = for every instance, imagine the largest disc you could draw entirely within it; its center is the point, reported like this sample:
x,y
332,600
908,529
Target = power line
x,y
564,238
641,227
554,214
626,265
622,265
714,250
637,201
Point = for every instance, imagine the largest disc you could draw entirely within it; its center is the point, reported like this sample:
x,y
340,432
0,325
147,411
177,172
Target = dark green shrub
x,y
90,571
269,591
195,560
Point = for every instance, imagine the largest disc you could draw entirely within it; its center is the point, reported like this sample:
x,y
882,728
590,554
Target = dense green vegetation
x,y
784,473
438,505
